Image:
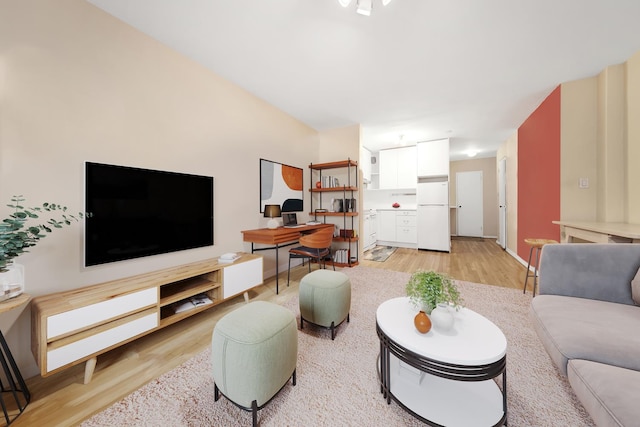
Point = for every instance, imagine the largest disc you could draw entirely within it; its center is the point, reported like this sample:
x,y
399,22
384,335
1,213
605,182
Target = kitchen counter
x,y
401,208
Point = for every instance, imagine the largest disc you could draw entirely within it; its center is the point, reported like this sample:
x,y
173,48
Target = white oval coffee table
x,y
443,379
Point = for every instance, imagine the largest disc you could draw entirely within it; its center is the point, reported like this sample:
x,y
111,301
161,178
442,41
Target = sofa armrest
x,y
601,271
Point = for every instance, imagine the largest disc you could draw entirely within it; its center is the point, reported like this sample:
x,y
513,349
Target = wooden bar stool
x,y
536,244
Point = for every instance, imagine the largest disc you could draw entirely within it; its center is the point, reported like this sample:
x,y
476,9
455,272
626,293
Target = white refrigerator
x,y
434,232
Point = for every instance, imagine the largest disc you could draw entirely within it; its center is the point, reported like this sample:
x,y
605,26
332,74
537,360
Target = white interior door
x,y
502,203
469,203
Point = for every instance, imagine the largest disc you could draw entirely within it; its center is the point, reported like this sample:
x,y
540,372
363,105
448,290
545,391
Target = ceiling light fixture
x,y
363,7
472,153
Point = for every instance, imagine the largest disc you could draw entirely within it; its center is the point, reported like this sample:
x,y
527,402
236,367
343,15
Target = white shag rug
x,y
337,383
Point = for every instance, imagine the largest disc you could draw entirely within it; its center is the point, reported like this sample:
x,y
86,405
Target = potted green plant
x,y
426,289
16,235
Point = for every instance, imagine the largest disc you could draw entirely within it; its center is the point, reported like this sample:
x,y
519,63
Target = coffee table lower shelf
x,y
443,402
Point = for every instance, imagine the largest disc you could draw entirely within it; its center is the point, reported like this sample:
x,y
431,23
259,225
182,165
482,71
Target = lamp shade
x,y
272,211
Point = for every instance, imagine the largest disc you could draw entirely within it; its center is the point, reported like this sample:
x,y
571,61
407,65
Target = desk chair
x,y
316,245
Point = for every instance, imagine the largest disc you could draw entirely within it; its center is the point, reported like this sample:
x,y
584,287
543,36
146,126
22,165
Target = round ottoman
x,y
325,299
254,351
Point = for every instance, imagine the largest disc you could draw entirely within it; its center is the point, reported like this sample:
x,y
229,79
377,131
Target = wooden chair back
x,y
319,239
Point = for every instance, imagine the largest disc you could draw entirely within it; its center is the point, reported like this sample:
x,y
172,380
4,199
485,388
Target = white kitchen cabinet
x,y
397,228
433,158
406,230
398,168
365,164
370,231
407,168
387,226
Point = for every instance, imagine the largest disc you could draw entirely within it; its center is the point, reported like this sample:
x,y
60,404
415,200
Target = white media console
x,y
76,326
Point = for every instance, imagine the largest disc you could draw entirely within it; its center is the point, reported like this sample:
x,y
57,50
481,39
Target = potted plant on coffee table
x,y
427,289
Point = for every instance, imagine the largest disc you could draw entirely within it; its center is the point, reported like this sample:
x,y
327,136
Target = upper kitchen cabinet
x,y
398,168
365,164
433,158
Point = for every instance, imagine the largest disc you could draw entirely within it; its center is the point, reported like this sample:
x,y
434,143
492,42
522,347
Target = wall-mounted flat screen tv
x,y
140,212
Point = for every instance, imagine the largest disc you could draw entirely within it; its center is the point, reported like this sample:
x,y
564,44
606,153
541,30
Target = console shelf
x,y
175,292
76,326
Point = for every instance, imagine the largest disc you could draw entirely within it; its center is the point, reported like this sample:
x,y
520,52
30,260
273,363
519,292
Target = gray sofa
x,y
589,324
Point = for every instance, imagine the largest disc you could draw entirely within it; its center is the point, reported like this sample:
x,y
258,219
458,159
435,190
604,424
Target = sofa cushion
x,y
579,328
608,393
635,288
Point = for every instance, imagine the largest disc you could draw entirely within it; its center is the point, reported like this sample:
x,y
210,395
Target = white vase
x,y
12,281
442,318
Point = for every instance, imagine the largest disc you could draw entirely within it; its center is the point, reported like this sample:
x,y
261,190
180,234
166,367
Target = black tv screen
x,y
141,212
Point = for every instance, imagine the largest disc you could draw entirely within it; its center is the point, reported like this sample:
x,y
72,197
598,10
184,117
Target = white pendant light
x,y
344,3
364,7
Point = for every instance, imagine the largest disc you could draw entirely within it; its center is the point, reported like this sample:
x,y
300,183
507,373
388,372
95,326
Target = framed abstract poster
x,y
281,185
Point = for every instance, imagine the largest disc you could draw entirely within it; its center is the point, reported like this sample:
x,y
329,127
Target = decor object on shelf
x,y
396,205
442,317
272,211
318,184
422,322
426,289
281,185
11,281
16,235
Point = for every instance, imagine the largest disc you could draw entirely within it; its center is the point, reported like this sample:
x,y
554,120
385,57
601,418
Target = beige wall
x,y
599,141
578,136
611,146
509,150
78,85
490,196
633,138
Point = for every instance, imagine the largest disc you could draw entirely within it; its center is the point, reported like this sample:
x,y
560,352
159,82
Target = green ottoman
x,y
325,299
254,351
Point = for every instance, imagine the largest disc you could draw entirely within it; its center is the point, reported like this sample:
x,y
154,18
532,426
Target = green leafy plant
x,y
16,235
426,289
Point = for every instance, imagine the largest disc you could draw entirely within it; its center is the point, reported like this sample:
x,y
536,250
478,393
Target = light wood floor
x,y
63,399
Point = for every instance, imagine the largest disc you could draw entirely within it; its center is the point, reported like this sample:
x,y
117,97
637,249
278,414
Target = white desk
x,y
599,232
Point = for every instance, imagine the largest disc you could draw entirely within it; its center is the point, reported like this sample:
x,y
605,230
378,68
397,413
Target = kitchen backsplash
x,y
384,199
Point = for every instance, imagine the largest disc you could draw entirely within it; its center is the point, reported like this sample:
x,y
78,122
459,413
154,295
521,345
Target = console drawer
x,y
84,317
62,355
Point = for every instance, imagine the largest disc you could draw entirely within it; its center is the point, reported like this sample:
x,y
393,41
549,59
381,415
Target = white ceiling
x,y
470,70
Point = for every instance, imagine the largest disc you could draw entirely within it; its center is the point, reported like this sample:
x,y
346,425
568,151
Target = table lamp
x,y
272,211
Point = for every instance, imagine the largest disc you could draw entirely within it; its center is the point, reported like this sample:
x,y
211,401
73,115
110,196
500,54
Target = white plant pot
x,y
12,281
442,318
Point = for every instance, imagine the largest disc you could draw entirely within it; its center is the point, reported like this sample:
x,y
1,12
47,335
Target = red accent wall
x,y
539,174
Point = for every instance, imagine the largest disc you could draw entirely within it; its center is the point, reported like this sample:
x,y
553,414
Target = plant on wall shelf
x,y
426,289
17,234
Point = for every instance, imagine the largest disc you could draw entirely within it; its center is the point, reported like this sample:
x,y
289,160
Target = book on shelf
x,y
192,302
341,256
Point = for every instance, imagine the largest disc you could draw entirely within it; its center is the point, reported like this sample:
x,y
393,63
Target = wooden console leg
x,y
246,297
89,367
